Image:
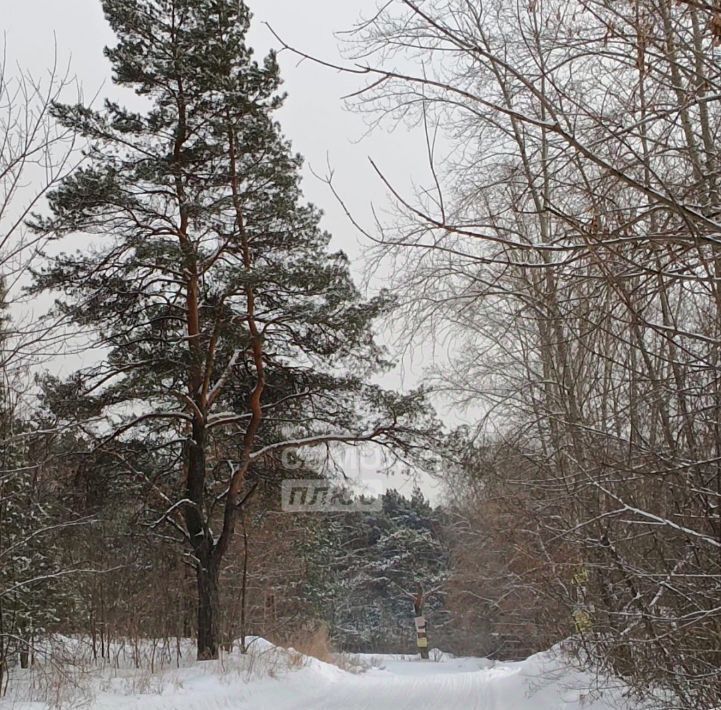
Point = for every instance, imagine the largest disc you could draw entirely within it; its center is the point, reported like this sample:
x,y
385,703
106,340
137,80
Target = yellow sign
x,y
581,577
583,621
422,643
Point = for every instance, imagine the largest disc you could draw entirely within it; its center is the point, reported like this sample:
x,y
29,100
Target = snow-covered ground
x,y
274,679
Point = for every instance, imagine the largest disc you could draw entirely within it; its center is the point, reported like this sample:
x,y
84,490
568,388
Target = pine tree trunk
x,y
208,610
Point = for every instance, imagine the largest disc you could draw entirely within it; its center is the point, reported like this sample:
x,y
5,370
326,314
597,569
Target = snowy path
x,y
462,684
539,683
268,682
406,685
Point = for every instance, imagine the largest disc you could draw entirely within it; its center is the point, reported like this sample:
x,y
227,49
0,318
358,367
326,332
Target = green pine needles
x,y
232,332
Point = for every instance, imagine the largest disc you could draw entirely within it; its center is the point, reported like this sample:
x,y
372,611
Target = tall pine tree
x,y
228,325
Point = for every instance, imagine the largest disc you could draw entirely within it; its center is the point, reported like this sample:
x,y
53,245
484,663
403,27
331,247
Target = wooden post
x,y
421,627
244,588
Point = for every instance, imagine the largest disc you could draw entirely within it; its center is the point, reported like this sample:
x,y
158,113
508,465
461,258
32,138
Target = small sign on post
x,y
422,636
421,627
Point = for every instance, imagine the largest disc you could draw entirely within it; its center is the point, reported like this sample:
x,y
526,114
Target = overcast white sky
x,y
314,117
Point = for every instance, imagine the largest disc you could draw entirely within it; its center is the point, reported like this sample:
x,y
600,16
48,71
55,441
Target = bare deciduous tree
x,y
35,154
567,244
